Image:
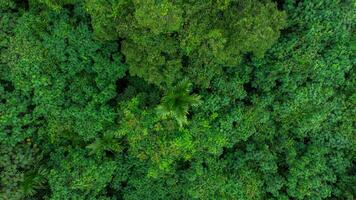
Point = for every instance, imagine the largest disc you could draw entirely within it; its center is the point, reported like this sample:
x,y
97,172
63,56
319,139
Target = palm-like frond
x,y
33,181
177,101
108,142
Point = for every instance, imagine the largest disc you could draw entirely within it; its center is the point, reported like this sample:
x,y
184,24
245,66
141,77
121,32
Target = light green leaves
x,y
166,41
163,17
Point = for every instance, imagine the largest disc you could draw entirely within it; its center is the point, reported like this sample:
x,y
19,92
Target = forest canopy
x,y
177,99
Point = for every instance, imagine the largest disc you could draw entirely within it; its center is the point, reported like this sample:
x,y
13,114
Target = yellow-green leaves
x,y
162,17
164,41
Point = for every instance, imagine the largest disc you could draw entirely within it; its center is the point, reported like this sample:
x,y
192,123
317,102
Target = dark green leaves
x,y
177,102
213,99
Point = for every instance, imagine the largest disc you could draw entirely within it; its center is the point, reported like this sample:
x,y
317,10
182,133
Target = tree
x,y
215,99
181,39
177,101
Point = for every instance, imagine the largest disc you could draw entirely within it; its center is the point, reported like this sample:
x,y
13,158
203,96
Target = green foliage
x,y
75,176
7,4
33,181
20,173
107,143
181,39
215,99
177,102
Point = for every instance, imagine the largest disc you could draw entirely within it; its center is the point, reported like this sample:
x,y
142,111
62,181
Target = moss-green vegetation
x,y
177,99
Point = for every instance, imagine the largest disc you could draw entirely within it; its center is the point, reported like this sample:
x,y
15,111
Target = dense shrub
x,y
215,99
